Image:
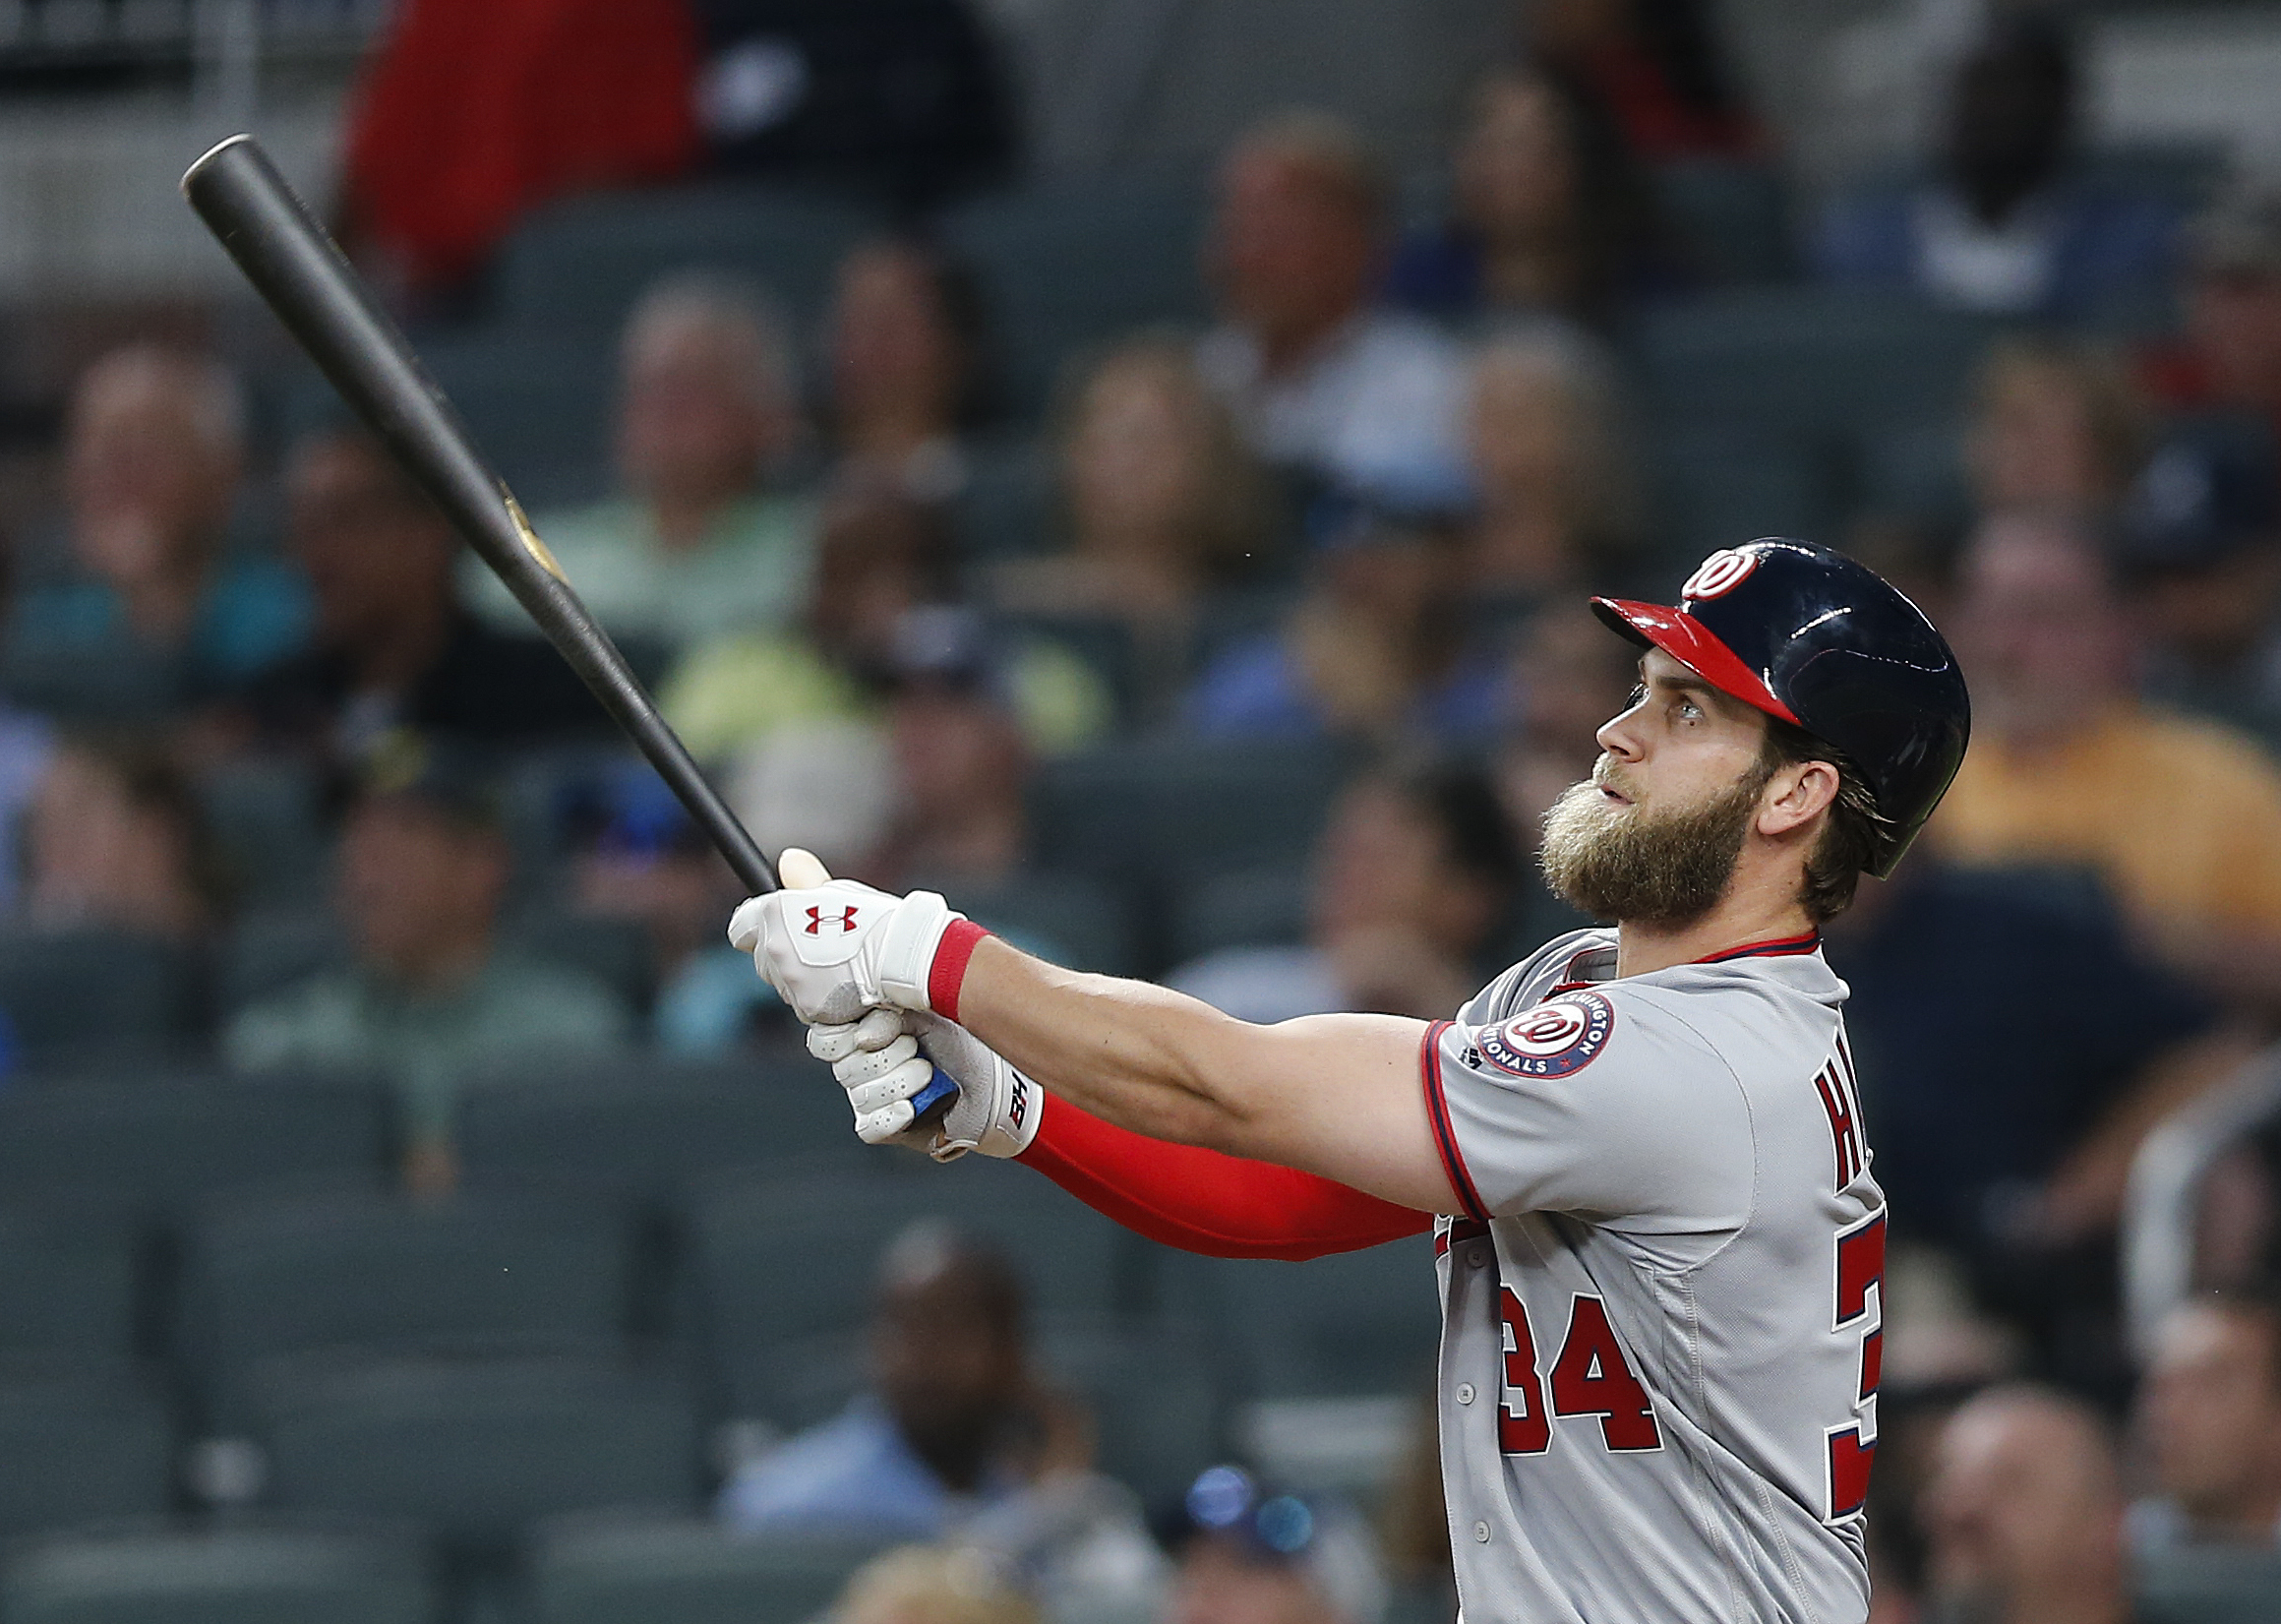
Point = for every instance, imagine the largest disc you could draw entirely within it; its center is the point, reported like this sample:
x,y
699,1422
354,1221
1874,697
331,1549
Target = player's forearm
x,y
1170,1066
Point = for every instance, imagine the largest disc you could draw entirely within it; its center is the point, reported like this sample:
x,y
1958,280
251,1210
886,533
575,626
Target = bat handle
x,y
934,1093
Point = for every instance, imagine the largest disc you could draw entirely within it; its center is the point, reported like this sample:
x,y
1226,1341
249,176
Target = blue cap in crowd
x,y
2196,504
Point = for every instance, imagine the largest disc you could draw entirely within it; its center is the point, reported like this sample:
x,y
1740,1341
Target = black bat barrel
x,y
297,269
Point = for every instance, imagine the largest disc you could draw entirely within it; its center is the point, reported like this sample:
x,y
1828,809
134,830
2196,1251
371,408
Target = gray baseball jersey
x,y
1661,1335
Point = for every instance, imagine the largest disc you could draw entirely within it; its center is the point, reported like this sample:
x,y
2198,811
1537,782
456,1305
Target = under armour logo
x,y
843,921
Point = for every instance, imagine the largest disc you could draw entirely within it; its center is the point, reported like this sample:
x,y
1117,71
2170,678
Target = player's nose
x,y
1617,738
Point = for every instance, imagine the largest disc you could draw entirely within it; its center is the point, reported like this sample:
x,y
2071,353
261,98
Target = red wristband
x,y
948,971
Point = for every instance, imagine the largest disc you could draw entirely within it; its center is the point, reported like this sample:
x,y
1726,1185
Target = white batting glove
x,y
890,1055
835,949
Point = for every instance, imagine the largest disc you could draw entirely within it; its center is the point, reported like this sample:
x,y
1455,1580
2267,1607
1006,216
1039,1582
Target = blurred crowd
x,y
1358,512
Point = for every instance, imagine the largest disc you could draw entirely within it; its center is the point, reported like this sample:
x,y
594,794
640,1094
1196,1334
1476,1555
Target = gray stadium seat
x,y
81,1448
217,1576
1360,1322
1176,809
1716,486
774,1262
584,261
473,1449
2210,1586
78,996
266,1276
1266,906
265,816
1808,365
1069,267
67,1281
642,1571
1069,919
644,1125
149,1143
1731,219
538,405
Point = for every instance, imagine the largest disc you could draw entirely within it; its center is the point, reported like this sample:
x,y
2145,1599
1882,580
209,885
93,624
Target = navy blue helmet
x,y
1826,644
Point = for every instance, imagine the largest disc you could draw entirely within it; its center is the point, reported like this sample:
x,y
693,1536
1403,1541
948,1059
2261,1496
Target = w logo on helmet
x,y
1720,574
844,920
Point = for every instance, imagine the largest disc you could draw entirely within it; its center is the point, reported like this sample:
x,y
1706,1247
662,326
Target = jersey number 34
x,y
1589,1378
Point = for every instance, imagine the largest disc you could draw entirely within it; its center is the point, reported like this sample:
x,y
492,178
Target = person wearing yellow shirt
x,y
2181,816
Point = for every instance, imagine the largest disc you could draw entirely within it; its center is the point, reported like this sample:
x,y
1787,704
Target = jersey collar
x,y
1777,947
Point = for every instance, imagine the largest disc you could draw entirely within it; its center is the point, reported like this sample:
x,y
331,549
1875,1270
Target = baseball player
x,y
1640,1150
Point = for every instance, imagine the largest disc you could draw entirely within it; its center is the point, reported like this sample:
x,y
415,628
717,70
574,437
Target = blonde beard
x,y
1627,863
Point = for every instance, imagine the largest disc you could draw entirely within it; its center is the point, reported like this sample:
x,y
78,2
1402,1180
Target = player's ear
x,y
1804,790
798,869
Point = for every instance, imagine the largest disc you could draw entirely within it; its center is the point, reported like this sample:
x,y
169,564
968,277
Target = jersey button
x,y
1465,1392
1476,1257
1480,1534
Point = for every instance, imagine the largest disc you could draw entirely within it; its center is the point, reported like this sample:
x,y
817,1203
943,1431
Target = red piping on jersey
x,y
1445,1135
1205,1201
1779,947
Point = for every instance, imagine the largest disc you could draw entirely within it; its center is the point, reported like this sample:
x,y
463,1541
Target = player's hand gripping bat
x,y
302,275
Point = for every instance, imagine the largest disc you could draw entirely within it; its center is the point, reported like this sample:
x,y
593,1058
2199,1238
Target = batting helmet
x,y
1824,644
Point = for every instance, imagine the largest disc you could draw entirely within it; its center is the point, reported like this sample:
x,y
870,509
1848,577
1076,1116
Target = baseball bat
x,y
303,277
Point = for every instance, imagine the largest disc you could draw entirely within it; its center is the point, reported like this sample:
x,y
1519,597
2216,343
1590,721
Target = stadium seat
x,y
583,261
1731,218
644,1125
1173,807
1361,1322
538,405
776,1261
271,950
1266,906
586,1570
2210,1586
266,1276
1005,509
1069,919
1153,1391
1808,365
1069,267
81,1446
474,1448
216,1576
266,818
67,1280
71,998
149,1142
1716,487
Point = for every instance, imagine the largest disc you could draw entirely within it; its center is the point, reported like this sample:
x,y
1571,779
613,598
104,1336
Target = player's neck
x,y
1754,910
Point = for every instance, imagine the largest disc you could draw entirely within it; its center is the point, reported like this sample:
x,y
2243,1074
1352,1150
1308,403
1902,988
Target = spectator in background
x,y
1162,504
2025,1514
2209,1416
1248,1555
929,1584
2231,357
1657,68
2056,426
1551,218
1321,383
2202,547
906,362
1413,887
1376,648
145,610
1554,516
953,1424
903,101
2015,1000
699,545
468,115
2182,818
114,840
2001,227
423,870
391,649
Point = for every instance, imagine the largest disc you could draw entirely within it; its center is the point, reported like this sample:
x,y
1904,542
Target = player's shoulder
x,y
1575,957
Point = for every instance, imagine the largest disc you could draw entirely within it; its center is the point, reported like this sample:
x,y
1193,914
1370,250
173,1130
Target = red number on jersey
x,y
1590,1378
1854,1449
1522,1427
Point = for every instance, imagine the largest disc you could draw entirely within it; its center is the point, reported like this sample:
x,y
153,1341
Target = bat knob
x,y
934,1093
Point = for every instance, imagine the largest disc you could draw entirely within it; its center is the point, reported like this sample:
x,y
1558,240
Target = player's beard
x,y
1660,868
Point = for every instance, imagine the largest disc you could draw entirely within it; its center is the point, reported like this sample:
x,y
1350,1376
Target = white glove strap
x,y
906,953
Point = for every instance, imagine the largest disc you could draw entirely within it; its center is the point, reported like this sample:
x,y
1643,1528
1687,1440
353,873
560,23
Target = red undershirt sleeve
x,y
1205,1201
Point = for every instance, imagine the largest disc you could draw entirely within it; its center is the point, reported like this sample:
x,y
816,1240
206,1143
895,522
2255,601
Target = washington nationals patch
x,y
1559,1036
